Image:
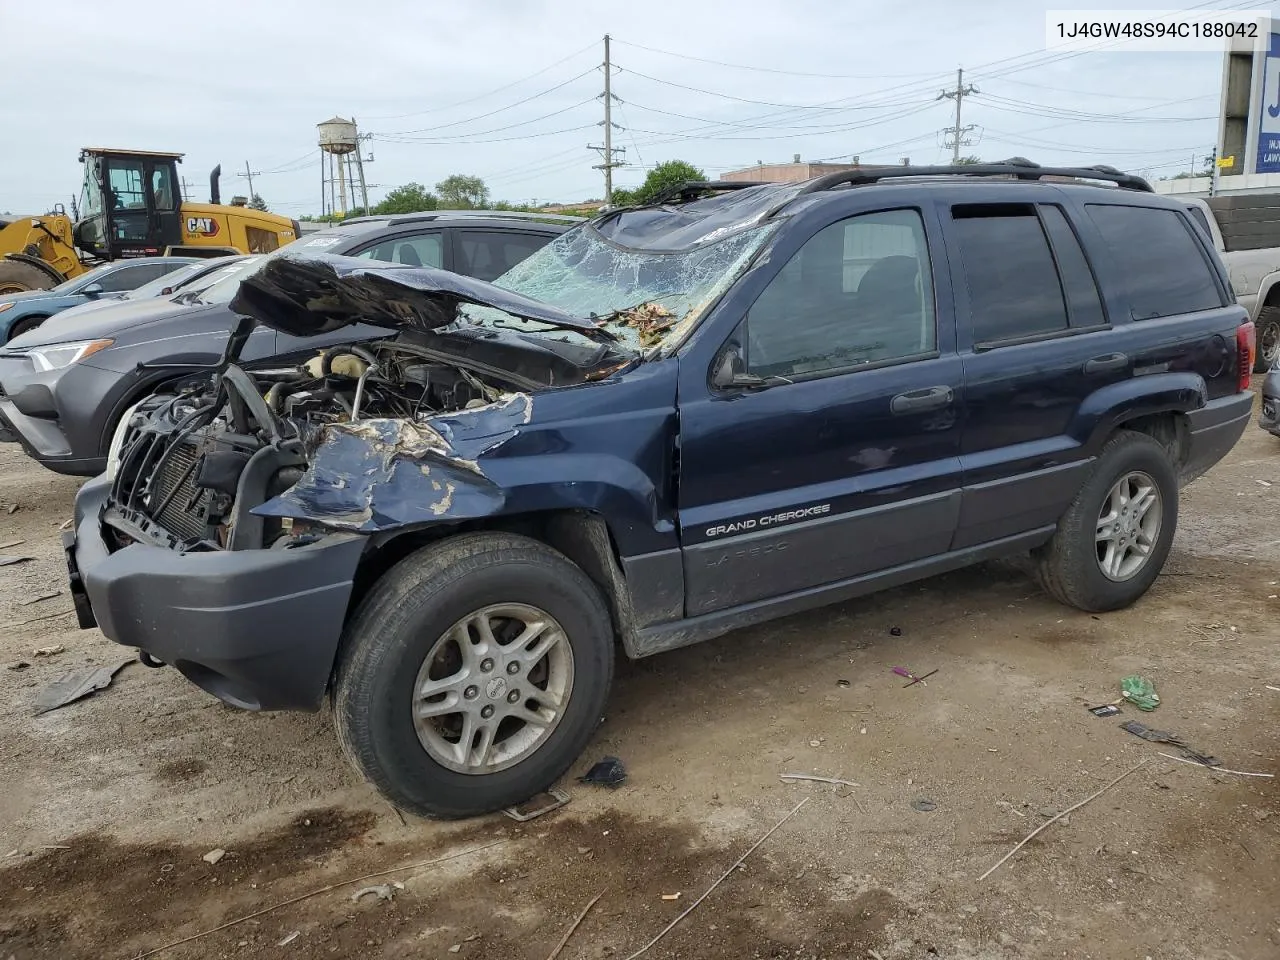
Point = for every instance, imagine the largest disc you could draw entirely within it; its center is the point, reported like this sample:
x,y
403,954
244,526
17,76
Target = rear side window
x,y
1161,269
1009,272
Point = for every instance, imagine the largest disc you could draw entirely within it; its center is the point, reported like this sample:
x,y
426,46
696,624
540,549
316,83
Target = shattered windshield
x,y
639,295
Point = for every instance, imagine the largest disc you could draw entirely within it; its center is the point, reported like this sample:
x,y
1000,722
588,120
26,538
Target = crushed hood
x,y
312,295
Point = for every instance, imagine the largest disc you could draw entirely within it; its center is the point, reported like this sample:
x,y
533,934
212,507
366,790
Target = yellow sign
x,y
1226,162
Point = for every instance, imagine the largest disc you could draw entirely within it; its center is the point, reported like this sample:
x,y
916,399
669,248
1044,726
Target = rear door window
x,y
1008,271
487,255
1160,267
134,276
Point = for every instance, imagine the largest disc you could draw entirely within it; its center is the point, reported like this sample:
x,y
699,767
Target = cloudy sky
x,y
508,89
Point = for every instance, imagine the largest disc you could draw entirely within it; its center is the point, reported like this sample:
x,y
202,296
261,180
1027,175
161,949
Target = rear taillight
x,y
1246,347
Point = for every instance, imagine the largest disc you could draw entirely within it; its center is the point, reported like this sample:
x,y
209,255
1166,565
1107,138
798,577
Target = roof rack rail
x,y
1018,167
691,188
489,214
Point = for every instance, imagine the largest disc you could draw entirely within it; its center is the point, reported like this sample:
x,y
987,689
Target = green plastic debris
x,y
1141,692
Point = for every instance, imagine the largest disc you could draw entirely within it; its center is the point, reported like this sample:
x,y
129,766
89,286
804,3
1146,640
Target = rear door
x,y
844,461
1035,340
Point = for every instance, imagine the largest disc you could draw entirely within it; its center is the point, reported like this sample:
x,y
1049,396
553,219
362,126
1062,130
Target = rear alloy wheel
x,y
473,674
1268,334
1128,526
1115,537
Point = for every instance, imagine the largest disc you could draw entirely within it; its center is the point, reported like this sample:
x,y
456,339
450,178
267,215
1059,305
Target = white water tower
x,y
339,140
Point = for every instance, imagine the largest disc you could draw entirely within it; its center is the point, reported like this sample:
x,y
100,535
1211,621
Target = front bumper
x,y
34,411
258,629
1214,430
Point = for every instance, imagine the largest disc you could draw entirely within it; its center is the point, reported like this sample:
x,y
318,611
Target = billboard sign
x,y
1269,109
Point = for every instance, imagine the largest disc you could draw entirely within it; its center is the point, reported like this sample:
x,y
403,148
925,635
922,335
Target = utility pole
x,y
186,189
1213,172
608,150
958,131
249,175
364,187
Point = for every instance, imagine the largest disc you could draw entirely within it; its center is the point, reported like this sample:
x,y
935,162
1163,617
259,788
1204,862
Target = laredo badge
x,y
204,226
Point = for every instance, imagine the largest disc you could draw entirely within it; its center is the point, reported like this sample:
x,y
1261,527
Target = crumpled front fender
x,y
380,474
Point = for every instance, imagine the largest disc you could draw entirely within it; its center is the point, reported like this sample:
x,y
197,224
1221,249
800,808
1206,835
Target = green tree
x,y
409,198
969,160
257,203
669,173
462,192
622,197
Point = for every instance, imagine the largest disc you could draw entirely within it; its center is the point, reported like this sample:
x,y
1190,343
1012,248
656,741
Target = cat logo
x,y
204,226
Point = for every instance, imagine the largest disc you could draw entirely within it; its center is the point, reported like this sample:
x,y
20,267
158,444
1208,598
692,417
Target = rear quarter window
x,y
1160,267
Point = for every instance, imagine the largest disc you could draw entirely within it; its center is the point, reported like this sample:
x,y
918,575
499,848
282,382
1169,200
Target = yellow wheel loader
x,y
130,206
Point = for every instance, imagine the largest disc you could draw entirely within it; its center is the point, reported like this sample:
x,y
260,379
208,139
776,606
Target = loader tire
x,y
16,276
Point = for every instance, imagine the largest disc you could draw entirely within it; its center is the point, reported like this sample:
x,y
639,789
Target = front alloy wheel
x,y
492,688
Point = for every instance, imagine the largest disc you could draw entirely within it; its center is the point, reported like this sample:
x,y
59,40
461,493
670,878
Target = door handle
x,y
918,401
1112,361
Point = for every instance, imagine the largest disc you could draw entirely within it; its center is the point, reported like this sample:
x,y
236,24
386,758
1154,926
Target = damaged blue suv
x,y
740,402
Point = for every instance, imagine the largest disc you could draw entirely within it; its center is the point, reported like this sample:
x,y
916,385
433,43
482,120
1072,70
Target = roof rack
x,y
1018,167
691,188
437,214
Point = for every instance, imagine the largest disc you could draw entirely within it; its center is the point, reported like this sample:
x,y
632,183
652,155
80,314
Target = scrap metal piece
x,y
75,684
521,813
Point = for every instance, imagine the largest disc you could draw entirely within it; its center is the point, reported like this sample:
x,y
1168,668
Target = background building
x,y
795,171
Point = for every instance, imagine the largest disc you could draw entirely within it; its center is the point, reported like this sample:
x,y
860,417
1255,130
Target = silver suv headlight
x,y
55,356
117,440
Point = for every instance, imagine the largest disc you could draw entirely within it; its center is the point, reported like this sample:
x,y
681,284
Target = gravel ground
x,y
108,806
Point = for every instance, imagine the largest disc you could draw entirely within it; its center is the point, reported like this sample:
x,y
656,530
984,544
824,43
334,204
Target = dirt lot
x,y
108,806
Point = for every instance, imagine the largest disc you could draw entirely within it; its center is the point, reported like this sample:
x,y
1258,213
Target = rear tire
x,y
408,636
1268,339
1072,567
16,276
25,325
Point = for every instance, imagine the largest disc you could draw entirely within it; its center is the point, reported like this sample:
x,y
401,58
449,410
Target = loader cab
x,y
130,205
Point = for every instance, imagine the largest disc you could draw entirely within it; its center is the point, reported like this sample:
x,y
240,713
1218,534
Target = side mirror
x,y
93,291
729,373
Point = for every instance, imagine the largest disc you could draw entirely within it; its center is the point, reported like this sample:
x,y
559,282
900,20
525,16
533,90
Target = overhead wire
x,y
483,96
482,116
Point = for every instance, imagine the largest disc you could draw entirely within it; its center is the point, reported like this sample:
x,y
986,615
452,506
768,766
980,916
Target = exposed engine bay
x,y
194,471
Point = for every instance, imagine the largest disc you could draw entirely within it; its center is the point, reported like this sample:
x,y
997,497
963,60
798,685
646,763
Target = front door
x,y
842,459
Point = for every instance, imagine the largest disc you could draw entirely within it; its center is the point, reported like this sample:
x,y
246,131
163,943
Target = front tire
x,y
473,674
1113,540
25,325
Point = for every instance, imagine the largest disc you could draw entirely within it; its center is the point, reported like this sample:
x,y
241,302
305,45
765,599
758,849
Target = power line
x,y
508,86
482,116
463,137
759,69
